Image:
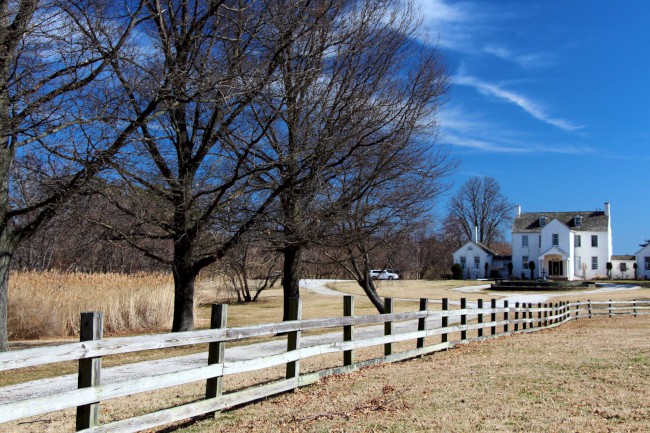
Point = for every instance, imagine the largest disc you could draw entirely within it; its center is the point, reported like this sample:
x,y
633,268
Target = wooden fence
x,y
459,323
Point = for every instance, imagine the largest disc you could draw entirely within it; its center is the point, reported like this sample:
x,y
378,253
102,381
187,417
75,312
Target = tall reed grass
x,y
48,304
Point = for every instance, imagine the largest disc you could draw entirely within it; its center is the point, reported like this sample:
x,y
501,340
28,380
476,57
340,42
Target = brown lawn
x,y
586,376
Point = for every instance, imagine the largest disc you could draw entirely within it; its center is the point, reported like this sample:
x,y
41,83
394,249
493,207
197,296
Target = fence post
x,y
463,319
493,316
422,322
216,351
388,326
567,311
634,307
348,330
506,316
444,320
610,308
531,315
480,318
545,321
589,308
516,316
577,310
293,337
90,328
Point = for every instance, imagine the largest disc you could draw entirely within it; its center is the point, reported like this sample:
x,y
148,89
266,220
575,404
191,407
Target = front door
x,y
556,268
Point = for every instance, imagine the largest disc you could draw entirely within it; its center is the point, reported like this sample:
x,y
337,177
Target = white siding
x,y
641,256
470,251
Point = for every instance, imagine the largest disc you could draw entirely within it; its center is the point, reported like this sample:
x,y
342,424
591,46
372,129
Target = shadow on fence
x,y
503,320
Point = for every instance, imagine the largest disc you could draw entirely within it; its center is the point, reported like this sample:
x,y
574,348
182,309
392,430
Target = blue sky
x,y
551,98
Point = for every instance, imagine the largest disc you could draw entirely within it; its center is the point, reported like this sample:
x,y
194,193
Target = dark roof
x,y
623,257
486,248
592,221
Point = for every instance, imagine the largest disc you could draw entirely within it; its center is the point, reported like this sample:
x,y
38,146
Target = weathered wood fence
x,y
445,323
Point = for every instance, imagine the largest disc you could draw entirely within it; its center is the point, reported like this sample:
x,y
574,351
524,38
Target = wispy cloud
x,y
465,26
535,109
526,60
466,130
445,21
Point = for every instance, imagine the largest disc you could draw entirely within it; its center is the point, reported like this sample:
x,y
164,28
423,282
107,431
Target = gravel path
x,y
48,386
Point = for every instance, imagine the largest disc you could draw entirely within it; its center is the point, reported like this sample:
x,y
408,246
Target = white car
x,y
378,274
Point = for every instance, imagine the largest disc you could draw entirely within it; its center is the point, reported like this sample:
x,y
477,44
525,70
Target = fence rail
x,y
522,317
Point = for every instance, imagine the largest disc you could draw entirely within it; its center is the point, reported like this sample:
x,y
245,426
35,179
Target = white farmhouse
x,y
473,256
643,261
563,245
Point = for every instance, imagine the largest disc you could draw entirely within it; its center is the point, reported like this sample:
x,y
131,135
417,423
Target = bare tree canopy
x,y
479,203
196,122
59,111
353,105
193,176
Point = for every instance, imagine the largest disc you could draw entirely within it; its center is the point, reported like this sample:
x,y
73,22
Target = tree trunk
x,y
7,246
369,288
183,300
292,268
184,278
5,261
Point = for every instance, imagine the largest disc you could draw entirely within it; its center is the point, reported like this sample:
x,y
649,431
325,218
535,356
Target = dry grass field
x,y
413,289
48,304
586,376
589,375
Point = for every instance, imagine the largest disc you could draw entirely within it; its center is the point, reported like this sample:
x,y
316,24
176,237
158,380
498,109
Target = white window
x,y
477,262
578,263
578,241
647,263
594,263
556,240
594,240
524,262
578,221
463,262
542,221
524,241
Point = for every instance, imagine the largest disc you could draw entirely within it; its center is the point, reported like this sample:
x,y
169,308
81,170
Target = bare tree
x,y
480,203
397,199
192,177
251,267
54,90
347,102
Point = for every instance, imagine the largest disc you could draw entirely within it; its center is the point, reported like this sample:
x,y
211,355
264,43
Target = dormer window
x,y
542,221
577,221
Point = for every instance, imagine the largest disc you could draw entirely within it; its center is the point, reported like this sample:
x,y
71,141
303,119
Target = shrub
x,y
457,271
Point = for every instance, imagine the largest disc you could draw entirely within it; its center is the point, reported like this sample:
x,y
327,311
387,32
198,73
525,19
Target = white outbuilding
x,y
643,261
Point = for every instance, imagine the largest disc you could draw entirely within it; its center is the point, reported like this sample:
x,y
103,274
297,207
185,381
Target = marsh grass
x,y
48,304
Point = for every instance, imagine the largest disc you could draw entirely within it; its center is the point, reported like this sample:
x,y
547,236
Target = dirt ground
x,y
585,376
